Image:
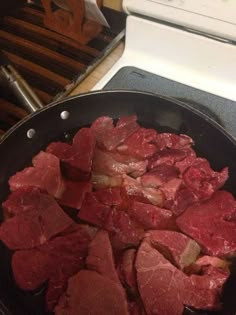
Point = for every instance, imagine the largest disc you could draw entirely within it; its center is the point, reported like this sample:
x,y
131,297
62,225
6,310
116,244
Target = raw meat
x,y
97,205
100,181
165,290
31,268
127,272
76,158
151,217
102,127
161,285
45,174
100,257
171,140
133,190
74,193
212,224
90,293
202,180
181,250
38,219
139,144
84,143
159,175
124,128
55,261
113,164
123,231
206,289
93,211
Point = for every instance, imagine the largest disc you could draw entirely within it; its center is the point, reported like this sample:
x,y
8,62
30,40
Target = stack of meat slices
x,y
151,230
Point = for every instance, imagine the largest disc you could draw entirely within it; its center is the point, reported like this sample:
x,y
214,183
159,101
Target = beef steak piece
x,y
160,175
44,174
151,217
115,164
31,268
202,180
139,144
100,257
91,293
212,224
127,272
206,289
55,261
74,193
96,205
178,248
123,231
164,289
162,286
125,126
38,218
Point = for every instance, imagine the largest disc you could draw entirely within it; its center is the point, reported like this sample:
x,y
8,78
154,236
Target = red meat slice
x,y
181,250
151,217
127,272
171,140
202,180
212,224
76,158
74,193
96,205
100,181
164,289
160,175
31,268
39,219
55,261
45,174
114,164
161,285
169,157
139,144
133,190
123,231
209,287
182,200
100,257
126,125
170,190
90,293
25,199
84,143
102,127
109,196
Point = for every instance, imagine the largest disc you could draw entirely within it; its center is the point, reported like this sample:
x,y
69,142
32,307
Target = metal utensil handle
x,y
21,89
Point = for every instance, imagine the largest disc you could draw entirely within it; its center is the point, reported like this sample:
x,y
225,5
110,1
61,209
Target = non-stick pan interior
x,y
17,150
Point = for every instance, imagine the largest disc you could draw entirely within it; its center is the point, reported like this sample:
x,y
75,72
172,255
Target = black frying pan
x,y
32,134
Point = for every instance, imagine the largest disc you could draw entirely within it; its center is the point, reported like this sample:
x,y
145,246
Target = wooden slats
x,y
37,69
12,109
38,49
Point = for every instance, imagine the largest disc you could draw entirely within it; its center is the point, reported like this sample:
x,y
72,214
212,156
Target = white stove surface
x,y
175,54
179,56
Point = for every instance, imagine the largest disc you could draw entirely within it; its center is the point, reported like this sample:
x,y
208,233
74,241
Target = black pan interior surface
x,y
165,115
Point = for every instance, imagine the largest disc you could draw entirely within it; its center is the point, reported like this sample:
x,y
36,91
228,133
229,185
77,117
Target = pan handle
x,y
11,78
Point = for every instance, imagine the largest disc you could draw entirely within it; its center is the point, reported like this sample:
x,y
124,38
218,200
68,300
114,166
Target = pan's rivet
x,y
65,115
31,133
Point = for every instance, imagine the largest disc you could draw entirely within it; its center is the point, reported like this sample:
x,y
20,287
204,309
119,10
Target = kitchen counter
x,y
89,82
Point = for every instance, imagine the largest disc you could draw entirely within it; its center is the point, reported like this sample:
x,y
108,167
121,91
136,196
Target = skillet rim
x,y
182,105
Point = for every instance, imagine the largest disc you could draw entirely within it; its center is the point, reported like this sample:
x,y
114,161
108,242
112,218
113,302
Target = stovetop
x,y
220,109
